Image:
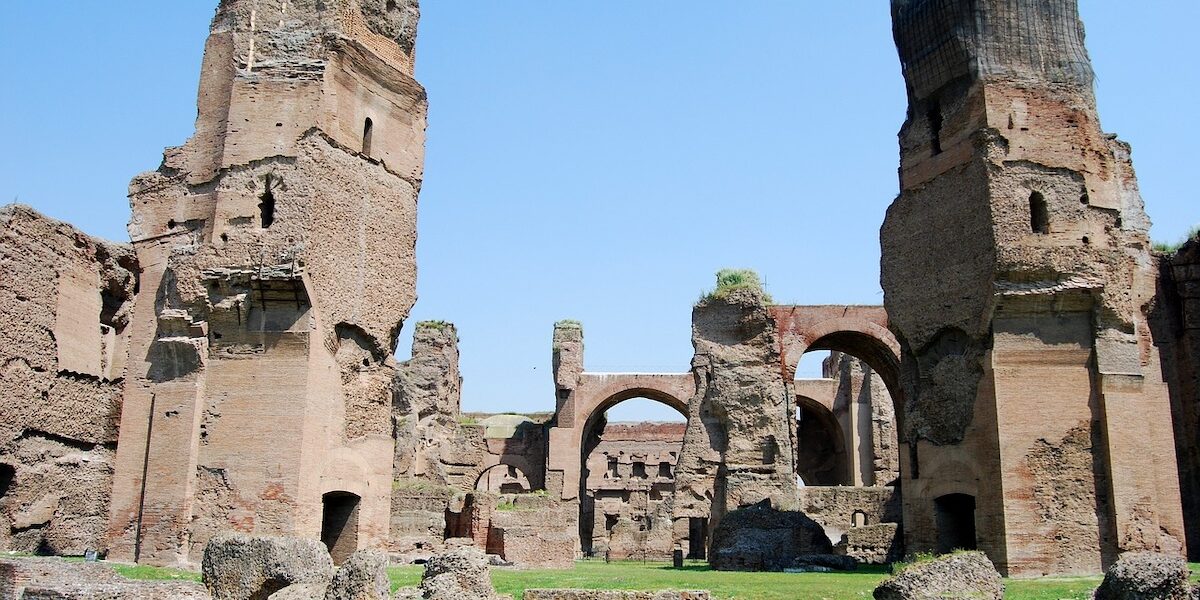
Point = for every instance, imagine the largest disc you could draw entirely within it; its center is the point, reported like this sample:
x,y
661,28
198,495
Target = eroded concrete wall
x,y
1017,253
65,303
426,407
277,253
739,445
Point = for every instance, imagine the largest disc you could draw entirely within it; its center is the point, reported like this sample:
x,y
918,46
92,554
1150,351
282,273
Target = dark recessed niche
x,y
368,133
1039,213
266,206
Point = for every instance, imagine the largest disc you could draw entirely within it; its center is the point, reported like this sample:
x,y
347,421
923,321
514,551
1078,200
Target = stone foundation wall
x,y
840,508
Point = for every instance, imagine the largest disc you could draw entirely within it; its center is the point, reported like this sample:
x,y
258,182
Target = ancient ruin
x,y
1006,174
1029,388
276,252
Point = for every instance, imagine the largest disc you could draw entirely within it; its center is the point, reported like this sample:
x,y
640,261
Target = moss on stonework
x,y
568,324
732,280
439,325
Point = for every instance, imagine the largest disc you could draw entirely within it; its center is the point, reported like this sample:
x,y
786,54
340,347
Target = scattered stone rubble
x,y
241,567
459,574
956,575
1146,576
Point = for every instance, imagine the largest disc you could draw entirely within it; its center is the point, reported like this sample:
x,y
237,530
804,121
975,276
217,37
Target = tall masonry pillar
x,y
1017,272
277,248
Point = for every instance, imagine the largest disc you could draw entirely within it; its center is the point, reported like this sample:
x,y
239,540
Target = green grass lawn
x,y
697,576
744,586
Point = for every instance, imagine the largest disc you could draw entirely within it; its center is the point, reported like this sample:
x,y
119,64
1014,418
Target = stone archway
x,y
627,475
595,394
503,478
859,331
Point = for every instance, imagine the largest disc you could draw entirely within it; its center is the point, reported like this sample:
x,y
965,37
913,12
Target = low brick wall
x,y
614,595
875,544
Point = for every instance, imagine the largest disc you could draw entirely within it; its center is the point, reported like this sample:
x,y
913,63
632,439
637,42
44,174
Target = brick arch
x,y
621,388
471,476
859,331
522,473
595,394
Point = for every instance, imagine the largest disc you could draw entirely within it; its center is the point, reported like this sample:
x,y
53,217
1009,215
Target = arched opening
x,y
368,133
955,518
1039,213
339,524
503,479
820,445
859,519
630,447
852,436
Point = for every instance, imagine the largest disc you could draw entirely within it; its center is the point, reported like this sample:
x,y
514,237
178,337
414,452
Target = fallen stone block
x,y
241,567
301,591
460,573
831,562
362,577
1146,576
957,575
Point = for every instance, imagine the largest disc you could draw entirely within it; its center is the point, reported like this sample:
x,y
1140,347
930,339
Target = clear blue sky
x,y
588,160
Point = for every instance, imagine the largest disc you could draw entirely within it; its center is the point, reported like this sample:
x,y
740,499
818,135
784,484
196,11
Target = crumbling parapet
x,y
65,303
1018,251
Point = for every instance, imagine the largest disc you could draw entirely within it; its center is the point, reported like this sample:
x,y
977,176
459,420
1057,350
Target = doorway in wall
x,y
955,514
339,524
697,537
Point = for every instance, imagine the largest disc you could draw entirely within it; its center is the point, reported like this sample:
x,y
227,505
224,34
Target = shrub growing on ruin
x,y
731,280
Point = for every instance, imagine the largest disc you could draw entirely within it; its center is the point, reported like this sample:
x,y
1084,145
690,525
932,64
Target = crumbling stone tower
x,y
277,254
1017,272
